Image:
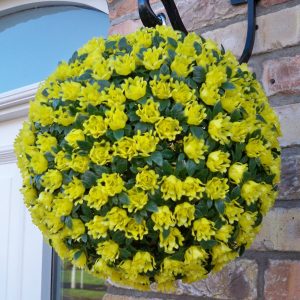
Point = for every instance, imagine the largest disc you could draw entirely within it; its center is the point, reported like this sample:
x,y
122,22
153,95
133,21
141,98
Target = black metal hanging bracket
x,y
150,19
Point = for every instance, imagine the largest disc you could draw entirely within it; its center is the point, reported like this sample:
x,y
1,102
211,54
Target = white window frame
x,y
14,104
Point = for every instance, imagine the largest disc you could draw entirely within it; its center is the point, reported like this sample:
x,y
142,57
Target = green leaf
x,y
198,48
198,132
167,168
99,170
68,222
172,54
235,193
77,254
123,45
236,115
118,237
191,167
151,206
157,158
208,244
217,109
84,237
260,118
73,58
123,198
164,70
85,145
166,233
86,75
119,165
228,72
172,42
118,134
199,74
228,86
220,206
88,179
110,45
124,253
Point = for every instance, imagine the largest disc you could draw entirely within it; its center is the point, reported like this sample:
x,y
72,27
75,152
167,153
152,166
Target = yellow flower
x,y
41,113
216,76
194,148
100,153
184,214
219,128
74,136
62,206
172,241
171,188
267,197
232,100
195,113
153,58
255,147
46,199
137,200
38,162
63,117
203,229
160,88
146,179
209,95
168,128
236,172
112,183
195,255
143,262
221,255
98,227
217,188
116,118
146,143
247,220
193,188
115,96
218,161
52,180
233,211
97,197
45,142
135,88
29,194
108,250
79,163
125,148
102,69
149,112
74,189
163,218
117,219
124,64
70,90
224,233
240,130
95,126
181,92
90,95
135,230
250,191
182,65
80,262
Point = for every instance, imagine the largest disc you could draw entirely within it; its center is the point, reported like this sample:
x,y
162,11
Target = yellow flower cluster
x,y
149,158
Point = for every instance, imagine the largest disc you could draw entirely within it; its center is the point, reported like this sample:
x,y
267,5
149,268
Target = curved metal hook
x,y
251,28
150,19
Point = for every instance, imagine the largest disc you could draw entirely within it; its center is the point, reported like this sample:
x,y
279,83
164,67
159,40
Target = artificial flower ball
x,y
150,158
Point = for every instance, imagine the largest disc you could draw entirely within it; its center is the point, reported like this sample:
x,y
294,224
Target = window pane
x,y
71,283
35,40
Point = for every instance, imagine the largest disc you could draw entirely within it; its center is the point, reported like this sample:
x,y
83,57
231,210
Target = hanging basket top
x,y
150,158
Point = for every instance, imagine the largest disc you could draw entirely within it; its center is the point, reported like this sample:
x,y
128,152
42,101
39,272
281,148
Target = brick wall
x,y
271,268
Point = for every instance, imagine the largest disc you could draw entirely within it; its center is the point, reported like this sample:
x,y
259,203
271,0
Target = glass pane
x,y
71,283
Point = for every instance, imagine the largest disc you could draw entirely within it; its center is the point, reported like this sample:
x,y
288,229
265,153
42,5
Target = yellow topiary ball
x,y
150,158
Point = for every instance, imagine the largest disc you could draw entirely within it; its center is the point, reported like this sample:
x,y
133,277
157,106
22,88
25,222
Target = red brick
x,y
282,75
271,2
125,27
119,8
282,280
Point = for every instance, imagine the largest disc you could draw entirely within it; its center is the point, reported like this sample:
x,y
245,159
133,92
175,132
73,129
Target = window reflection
x,y
71,283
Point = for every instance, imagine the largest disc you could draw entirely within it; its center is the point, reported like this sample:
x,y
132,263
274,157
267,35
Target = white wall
x,y
21,248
